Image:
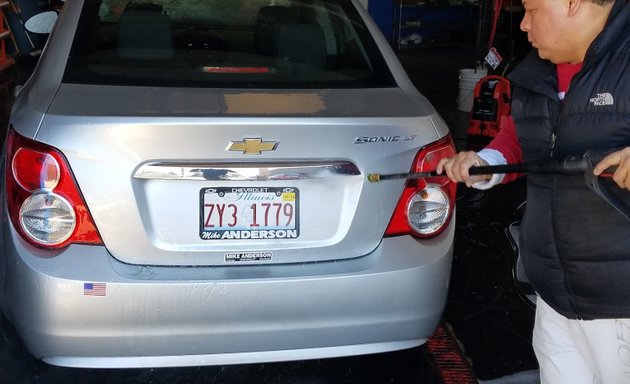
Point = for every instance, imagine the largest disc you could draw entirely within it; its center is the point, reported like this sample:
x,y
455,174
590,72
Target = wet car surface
x,y
186,185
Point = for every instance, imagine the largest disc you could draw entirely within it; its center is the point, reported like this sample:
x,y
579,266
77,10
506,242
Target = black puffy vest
x,y
575,246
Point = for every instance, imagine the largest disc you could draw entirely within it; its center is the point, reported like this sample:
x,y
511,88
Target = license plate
x,y
236,213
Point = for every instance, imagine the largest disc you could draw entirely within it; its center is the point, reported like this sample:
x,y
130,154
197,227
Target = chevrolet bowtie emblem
x,y
252,146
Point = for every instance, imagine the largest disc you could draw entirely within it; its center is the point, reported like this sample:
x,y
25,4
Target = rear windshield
x,y
225,43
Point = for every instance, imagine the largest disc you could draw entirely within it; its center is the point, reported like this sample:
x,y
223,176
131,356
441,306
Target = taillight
x,y
426,205
43,199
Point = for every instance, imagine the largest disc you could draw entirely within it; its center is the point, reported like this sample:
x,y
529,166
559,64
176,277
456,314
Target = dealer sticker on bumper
x,y
247,256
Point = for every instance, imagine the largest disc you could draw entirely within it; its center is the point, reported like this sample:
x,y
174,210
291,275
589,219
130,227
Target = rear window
x,y
225,43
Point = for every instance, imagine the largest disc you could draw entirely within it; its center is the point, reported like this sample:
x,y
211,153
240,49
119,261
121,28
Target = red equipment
x,y
491,105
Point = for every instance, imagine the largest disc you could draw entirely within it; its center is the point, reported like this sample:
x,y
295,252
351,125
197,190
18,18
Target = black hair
x,y
601,2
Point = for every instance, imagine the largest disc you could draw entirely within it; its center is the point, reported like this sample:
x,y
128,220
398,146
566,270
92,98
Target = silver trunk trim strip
x,y
245,171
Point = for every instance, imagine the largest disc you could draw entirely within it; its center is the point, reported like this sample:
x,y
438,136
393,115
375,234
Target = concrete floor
x,y
492,324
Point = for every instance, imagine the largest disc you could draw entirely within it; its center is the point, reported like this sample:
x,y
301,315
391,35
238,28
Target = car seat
x,y
145,34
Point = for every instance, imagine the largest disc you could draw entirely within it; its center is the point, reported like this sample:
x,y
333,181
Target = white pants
x,y
581,351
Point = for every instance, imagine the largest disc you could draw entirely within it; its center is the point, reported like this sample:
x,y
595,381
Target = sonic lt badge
x,y
252,146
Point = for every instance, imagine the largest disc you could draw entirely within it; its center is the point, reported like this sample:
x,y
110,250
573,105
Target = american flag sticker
x,y
94,289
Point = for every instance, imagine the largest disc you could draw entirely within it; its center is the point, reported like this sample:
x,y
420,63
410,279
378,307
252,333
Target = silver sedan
x,y
184,183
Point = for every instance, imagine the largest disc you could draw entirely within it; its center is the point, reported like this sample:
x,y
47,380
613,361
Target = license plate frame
x,y
245,213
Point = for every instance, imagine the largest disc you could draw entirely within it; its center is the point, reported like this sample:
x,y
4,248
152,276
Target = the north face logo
x,y
602,99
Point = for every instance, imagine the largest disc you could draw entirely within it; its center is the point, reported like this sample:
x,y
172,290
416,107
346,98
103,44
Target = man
x,y
571,94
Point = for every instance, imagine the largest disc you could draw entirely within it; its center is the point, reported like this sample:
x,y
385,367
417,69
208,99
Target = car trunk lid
x,y
216,177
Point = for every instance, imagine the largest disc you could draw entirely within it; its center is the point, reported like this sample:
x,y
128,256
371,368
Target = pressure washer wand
x,y
569,166
481,170
572,165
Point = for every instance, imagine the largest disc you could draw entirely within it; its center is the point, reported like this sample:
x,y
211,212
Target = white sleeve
x,y
492,157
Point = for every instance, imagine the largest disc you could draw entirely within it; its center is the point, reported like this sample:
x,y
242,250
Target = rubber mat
x,y
448,357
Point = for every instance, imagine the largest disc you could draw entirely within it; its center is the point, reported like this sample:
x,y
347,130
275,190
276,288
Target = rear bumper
x,y
173,316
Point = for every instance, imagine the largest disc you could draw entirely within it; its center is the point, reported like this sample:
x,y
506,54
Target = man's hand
x,y
457,168
621,160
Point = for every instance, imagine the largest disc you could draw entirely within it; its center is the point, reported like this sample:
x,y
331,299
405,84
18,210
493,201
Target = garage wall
x,y
382,11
